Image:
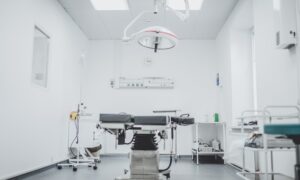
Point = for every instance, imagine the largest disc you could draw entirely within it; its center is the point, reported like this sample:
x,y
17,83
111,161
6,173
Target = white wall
x,y
33,129
234,62
235,66
276,69
192,64
241,72
224,68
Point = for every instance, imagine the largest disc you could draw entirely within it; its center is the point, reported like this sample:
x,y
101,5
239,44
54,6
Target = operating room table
x,y
144,157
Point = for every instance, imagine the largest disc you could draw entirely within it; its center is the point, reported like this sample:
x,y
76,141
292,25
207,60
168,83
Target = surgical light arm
x,y
126,37
180,15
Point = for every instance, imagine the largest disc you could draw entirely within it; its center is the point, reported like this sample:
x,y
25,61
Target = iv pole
x,y
75,116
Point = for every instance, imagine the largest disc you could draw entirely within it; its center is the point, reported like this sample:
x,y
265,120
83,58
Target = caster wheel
x,y
98,161
59,167
95,167
74,169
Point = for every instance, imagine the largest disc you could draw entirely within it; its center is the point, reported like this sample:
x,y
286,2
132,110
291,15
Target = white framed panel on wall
x,y
40,58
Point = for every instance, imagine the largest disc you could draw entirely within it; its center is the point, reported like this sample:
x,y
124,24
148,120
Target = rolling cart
x,y
267,118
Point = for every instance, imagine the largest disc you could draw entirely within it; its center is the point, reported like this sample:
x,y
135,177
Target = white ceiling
x,y
99,25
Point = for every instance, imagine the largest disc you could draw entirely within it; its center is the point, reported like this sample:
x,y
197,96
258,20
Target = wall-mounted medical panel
x,y
285,21
145,83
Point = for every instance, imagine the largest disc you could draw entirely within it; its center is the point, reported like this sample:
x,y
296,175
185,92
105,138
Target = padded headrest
x,y
151,120
183,120
115,118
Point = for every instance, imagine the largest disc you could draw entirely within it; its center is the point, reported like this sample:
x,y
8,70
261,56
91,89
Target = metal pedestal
x,y
144,165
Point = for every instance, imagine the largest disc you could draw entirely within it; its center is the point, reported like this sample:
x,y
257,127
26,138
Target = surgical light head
x,y
156,37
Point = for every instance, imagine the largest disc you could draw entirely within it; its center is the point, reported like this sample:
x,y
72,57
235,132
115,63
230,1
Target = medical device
x,y
272,122
173,113
81,156
216,145
144,161
143,83
156,37
285,21
291,131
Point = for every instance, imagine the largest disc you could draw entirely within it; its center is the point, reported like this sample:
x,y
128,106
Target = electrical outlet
x,y
148,61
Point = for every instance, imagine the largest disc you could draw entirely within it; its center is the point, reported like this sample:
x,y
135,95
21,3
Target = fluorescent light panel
x,y
110,5
180,4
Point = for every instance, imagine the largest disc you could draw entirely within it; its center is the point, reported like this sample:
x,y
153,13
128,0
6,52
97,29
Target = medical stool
x,y
292,131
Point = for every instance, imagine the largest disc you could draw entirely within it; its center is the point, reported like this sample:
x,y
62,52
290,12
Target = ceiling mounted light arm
x,y
125,33
179,14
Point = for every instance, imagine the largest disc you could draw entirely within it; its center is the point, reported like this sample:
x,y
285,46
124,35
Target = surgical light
x,y
156,37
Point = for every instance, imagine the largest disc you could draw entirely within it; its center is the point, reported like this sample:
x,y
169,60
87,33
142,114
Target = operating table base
x,y
144,165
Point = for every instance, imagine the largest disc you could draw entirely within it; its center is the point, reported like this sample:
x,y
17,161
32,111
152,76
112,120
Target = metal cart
x,y
266,117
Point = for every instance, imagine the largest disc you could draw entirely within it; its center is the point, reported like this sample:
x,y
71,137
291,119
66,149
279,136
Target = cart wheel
x,y
59,167
95,167
74,169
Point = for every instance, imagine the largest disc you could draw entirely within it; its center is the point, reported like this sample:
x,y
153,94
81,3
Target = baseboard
x,y
185,156
234,166
30,172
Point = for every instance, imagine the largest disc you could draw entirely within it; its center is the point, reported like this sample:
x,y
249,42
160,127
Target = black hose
x,y
71,147
169,166
76,138
171,159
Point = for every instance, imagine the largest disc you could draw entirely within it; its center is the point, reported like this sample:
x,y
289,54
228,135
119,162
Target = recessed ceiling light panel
x,y
180,4
110,5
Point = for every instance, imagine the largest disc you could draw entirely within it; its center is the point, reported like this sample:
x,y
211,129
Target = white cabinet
x,y
285,21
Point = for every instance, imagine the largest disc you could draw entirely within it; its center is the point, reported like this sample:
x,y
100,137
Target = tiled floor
x,y
111,167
